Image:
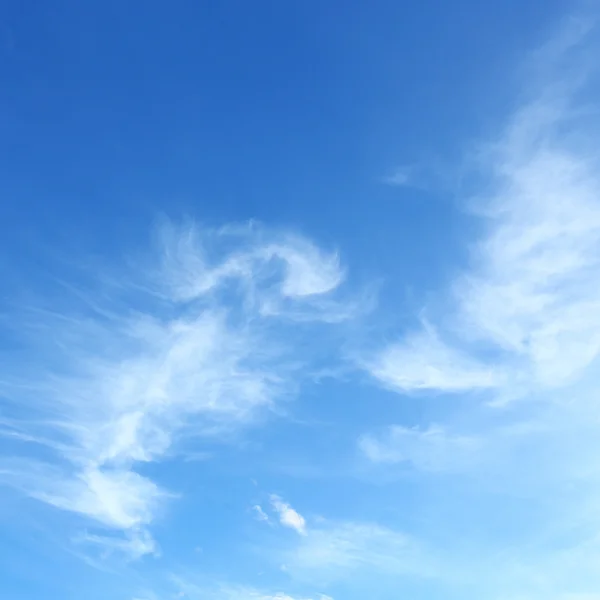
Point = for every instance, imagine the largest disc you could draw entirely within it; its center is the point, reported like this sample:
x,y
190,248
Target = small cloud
x,y
288,517
400,177
261,515
135,545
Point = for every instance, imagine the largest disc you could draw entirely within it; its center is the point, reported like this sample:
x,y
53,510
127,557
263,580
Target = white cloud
x,y
308,271
184,347
532,293
134,545
288,517
423,363
530,296
120,499
302,269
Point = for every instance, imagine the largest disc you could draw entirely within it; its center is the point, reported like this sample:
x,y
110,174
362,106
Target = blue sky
x,y
299,300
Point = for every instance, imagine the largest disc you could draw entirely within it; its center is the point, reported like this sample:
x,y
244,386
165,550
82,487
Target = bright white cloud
x,y
302,270
288,517
532,293
119,499
424,363
179,348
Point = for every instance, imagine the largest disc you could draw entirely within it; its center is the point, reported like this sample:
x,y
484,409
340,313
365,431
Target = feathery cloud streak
x,y
189,344
530,298
521,329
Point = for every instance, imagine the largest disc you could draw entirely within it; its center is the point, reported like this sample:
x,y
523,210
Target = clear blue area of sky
x,y
288,112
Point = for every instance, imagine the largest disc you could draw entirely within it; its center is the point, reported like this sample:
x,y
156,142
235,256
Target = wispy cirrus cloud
x,y
328,551
334,550
423,362
529,297
431,449
400,176
520,330
260,514
186,343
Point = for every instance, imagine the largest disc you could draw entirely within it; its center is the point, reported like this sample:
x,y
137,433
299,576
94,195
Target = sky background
x,y
299,300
